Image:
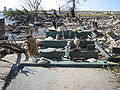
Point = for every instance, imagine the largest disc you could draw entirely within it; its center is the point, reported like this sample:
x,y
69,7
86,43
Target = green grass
x,y
94,15
91,15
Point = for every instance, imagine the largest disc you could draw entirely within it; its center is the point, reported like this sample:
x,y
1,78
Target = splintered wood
x,y
32,46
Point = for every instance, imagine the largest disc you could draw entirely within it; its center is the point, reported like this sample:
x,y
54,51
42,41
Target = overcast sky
x,y
103,5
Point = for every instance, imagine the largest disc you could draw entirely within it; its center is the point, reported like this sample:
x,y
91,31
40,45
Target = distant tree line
x,y
14,12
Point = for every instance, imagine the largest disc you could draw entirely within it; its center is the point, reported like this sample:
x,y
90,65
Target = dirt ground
x,y
56,78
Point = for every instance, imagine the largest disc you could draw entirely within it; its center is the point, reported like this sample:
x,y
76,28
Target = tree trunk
x,y
73,9
55,13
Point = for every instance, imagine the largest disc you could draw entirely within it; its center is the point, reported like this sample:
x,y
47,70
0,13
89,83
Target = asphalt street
x,y
58,78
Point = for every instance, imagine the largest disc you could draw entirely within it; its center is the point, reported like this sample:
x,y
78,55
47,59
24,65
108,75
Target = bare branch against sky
x,y
92,5
70,3
32,5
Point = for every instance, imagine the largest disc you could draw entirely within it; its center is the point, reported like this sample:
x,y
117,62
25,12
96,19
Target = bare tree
x,y
72,4
31,5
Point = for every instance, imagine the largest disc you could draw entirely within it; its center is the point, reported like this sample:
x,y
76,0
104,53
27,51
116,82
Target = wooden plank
x,y
13,47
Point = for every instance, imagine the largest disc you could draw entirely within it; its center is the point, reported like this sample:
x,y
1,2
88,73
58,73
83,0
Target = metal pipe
x,y
107,55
